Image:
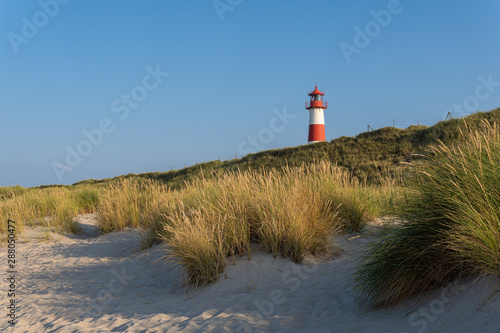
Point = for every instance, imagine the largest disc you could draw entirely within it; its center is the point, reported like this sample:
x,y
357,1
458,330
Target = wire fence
x,y
426,122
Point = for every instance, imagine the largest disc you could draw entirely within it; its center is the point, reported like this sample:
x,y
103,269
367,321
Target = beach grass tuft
x,y
290,213
452,224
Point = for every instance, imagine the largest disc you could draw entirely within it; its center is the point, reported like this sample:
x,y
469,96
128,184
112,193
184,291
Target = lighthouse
x,y
316,109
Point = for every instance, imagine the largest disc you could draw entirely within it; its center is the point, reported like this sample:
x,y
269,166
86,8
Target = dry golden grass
x,y
134,204
291,213
54,207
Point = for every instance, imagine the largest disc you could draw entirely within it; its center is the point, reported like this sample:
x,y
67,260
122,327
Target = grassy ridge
x,y
366,156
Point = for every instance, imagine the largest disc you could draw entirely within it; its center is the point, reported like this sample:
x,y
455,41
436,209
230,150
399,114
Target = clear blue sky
x,y
69,67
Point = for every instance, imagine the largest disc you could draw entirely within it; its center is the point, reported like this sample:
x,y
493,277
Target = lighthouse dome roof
x,y
316,92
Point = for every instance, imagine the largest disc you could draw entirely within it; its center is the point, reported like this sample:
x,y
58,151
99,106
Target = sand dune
x,y
103,283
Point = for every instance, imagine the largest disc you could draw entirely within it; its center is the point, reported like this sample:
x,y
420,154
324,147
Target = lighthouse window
x,y
317,97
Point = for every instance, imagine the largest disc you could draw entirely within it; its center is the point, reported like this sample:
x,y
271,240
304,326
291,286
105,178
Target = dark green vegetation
x,y
368,155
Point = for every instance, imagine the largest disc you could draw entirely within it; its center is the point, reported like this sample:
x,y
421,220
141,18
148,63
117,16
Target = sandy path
x,y
102,283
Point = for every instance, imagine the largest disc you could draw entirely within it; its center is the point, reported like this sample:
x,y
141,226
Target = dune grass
x,y
87,198
452,228
134,204
12,191
281,211
290,213
289,201
50,207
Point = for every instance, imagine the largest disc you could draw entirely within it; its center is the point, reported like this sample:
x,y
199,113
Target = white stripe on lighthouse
x,y
316,116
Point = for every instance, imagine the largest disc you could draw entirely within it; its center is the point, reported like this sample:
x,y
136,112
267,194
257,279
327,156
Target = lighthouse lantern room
x,y
316,108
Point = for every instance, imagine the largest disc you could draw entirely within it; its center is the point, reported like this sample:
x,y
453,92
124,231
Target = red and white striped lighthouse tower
x,y
316,109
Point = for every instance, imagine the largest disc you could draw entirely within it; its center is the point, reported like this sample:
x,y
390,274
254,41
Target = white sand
x,y
101,283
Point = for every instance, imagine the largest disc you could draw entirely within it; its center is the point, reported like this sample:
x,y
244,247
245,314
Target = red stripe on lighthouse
x,y
316,132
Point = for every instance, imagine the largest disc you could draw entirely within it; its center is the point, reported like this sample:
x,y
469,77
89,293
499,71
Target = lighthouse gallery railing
x,y
316,104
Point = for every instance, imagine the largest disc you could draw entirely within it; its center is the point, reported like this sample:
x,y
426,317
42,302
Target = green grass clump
x,y
452,227
86,198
